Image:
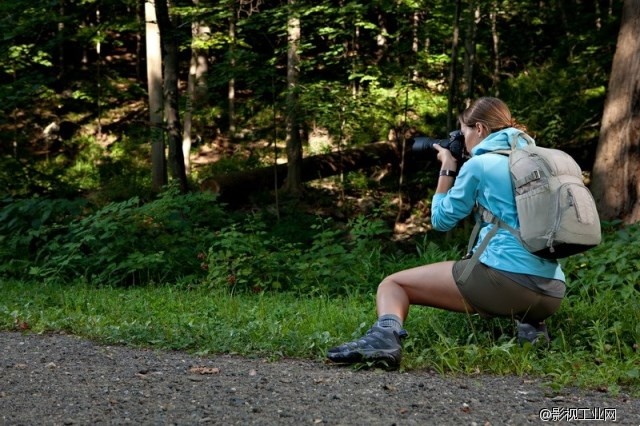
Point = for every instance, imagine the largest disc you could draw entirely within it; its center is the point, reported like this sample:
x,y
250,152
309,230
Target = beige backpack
x,y
556,212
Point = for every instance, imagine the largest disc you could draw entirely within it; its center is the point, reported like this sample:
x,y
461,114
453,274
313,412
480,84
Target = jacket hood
x,y
499,140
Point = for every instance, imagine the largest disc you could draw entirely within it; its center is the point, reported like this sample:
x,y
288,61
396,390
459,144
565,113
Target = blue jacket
x,y
485,179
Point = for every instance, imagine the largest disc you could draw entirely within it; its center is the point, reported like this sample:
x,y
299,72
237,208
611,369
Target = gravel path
x,y
64,380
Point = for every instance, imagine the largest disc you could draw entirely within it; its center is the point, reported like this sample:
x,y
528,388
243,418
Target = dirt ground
x,y
64,380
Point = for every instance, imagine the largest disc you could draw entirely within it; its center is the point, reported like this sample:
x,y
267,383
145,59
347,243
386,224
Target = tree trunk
x,y
495,37
453,74
61,52
470,48
196,85
616,172
382,43
188,111
415,42
293,184
231,95
154,84
140,20
171,95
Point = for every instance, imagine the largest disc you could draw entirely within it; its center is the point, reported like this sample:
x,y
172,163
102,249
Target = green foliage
x,y
247,257
613,265
126,242
21,179
369,117
27,226
558,118
81,167
121,175
365,70
178,236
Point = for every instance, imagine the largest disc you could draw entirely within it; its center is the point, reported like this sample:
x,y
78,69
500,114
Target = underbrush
x,y
193,240
215,283
128,242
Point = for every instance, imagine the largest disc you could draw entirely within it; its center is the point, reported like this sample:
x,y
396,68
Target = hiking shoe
x,y
379,344
533,334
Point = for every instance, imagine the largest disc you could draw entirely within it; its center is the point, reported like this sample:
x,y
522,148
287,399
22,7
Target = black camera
x,y
455,144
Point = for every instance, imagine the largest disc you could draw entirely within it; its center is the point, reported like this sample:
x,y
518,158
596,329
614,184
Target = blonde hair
x,y
491,112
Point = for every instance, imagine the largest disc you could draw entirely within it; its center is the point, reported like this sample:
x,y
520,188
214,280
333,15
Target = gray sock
x,y
390,320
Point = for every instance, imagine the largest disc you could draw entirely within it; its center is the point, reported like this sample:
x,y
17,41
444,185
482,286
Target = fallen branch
x,y
237,186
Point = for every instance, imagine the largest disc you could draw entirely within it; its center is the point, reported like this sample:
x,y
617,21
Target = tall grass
x,y
198,320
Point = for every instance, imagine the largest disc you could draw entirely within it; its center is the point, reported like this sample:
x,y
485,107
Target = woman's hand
x,y
446,158
448,163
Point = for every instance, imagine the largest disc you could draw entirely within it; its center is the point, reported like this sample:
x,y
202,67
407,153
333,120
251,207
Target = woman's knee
x,y
388,283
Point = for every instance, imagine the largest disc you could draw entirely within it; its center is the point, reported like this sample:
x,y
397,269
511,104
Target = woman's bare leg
x,y
430,285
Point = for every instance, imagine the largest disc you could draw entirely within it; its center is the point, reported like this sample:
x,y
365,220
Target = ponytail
x,y
492,113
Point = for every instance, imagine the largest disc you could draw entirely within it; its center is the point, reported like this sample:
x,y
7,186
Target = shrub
x,y
611,265
26,226
128,242
247,257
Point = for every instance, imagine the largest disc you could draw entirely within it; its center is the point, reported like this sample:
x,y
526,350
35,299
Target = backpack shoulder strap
x,y
514,139
483,215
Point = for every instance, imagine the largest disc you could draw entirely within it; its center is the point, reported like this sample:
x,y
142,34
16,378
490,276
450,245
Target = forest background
x,y
244,148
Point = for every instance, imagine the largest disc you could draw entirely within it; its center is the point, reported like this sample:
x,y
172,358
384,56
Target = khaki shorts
x,y
493,294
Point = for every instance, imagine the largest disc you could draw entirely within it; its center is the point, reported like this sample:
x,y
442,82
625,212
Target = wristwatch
x,y
451,173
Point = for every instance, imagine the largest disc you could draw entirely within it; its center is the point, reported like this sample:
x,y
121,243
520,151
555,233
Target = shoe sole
x,y
391,357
